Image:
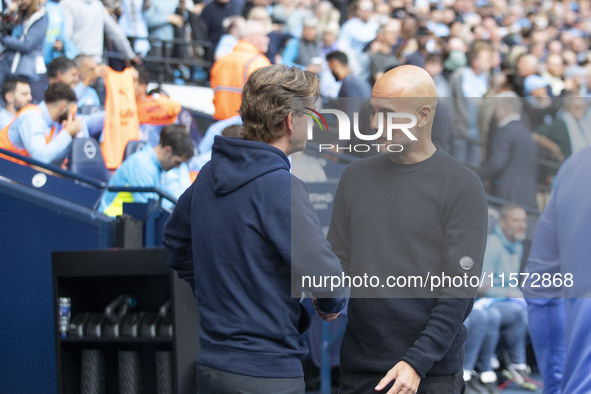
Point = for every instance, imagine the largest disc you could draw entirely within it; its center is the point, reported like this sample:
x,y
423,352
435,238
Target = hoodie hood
x,y
235,162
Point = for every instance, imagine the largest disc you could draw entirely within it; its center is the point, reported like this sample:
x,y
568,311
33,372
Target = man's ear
x,y
423,115
289,122
167,149
9,98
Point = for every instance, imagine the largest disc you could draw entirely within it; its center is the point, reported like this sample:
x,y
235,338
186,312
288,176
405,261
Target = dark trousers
x,y
365,384
215,381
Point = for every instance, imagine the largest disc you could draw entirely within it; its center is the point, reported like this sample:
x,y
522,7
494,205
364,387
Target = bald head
x,y
405,81
409,90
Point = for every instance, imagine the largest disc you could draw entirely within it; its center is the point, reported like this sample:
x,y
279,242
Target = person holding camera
x,y
23,49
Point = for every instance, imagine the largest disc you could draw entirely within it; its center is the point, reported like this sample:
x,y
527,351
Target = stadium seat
x,y
132,147
86,159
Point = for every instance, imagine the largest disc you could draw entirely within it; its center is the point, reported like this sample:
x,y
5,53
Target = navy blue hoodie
x,y
230,237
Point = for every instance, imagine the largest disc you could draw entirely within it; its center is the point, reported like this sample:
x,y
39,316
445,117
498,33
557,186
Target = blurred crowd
x,y
482,55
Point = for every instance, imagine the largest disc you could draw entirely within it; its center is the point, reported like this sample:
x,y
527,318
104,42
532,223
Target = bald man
x,y
411,211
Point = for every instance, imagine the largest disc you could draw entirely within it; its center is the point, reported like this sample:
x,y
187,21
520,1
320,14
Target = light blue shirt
x,y
86,96
141,169
356,34
474,85
206,143
55,31
29,130
501,257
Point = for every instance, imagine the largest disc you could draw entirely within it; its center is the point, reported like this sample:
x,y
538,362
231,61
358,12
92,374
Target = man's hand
x,y
58,45
176,20
323,315
72,125
406,380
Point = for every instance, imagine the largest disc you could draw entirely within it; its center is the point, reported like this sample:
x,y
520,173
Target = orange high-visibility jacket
x,y
121,116
229,74
5,142
158,110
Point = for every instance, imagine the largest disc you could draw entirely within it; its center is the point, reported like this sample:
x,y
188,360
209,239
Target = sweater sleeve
x,y
177,238
307,249
339,233
114,32
464,243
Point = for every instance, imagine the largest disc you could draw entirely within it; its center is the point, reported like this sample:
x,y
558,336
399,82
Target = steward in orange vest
x,y
44,132
229,73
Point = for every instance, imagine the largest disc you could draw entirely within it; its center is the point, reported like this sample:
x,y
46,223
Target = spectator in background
x,y
229,74
160,18
434,66
568,134
356,33
233,28
146,167
330,34
468,85
441,133
512,161
23,49
154,112
56,44
382,53
502,257
352,86
527,64
213,16
64,70
132,22
483,324
16,93
301,51
359,30
44,132
553,74
206,143
87,22
539,107
88,72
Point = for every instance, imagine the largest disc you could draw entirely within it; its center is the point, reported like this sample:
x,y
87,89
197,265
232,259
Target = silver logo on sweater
x,y
466,263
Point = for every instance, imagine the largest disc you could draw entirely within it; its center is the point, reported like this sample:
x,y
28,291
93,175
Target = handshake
x,y
323,315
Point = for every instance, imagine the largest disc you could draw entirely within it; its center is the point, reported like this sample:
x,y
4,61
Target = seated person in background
x,y
44,132
206,143
502,261
88,71
16,93
145,168
64,70
154,111
61,69
483,326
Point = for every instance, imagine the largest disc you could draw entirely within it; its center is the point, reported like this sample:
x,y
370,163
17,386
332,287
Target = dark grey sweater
x,y
394,219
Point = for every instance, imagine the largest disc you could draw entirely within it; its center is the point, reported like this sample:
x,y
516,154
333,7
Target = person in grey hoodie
x,y
86,22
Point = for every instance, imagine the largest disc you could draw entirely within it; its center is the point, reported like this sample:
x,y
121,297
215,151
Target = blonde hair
x,y
33,7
